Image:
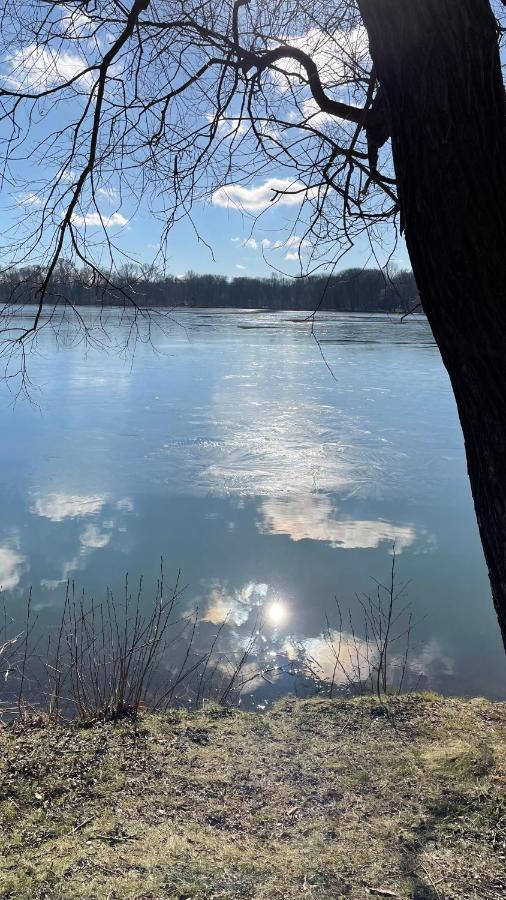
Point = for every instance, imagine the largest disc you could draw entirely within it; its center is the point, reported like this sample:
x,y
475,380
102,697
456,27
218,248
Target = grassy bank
x,y
322,799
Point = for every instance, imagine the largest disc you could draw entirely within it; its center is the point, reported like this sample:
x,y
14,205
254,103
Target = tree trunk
x,y
438,65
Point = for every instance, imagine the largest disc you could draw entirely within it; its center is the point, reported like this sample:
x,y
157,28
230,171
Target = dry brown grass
x,y
322,799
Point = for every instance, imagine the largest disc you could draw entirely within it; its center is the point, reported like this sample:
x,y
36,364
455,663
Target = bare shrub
x,y
106,656
11,654
110,659
369,655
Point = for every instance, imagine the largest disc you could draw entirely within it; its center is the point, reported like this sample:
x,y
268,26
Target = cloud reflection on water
x,y
313,517
11,566
344,658
59,506
94,539
338,657
234,604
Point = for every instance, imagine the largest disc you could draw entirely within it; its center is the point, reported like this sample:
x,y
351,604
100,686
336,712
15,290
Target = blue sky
x,y
238,243
227,235
239,233
236,231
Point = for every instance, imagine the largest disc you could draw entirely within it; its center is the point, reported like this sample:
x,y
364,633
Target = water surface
x,y
275,472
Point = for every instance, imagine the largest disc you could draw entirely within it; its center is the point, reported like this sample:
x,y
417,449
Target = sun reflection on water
x,y
276,613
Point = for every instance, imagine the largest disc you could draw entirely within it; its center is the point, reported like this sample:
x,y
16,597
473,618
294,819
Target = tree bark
x,y
438,65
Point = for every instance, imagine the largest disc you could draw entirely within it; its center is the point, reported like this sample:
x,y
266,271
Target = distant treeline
x,y
351,290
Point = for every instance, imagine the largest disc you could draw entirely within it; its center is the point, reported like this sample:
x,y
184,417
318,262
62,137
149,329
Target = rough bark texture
x,y
438,64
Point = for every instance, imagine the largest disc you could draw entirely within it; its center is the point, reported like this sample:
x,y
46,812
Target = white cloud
x,y
68,567
349,649
96,219
58,507
68,175
293,245
125,505
11,563
269,130
51,584
282,191
228,126
109,194
353,651
94,539
293,241
30,200
314,116
241,268
75,23
39,68
312,517
430,661
332,54
235,605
